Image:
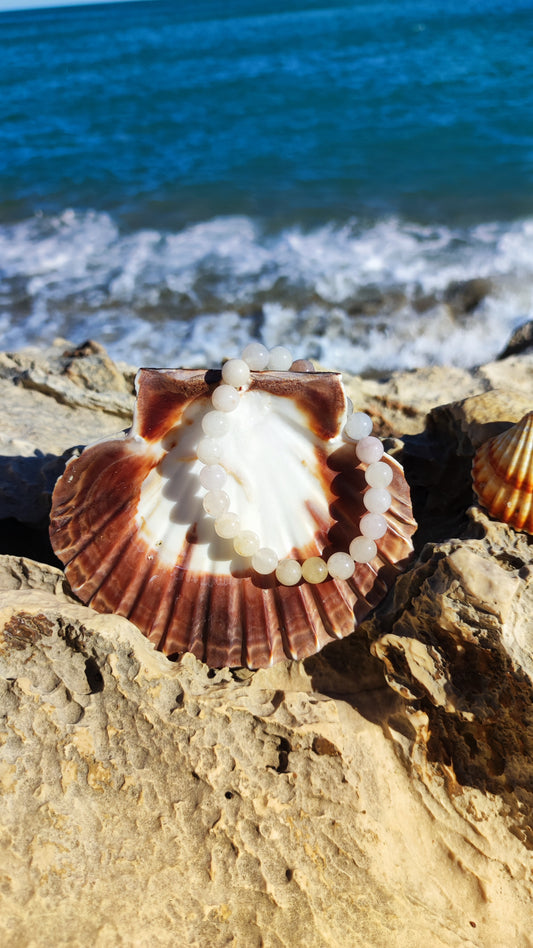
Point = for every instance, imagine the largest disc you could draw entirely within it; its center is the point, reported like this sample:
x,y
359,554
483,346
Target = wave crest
x,y
381,296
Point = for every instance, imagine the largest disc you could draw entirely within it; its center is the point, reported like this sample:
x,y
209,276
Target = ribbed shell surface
x,y
127,520
502,474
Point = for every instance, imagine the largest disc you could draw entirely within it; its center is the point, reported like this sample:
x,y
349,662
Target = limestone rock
x,y
514,373
458,647
165,804
400,402
520,341
377,794
53,401
470,422
438,462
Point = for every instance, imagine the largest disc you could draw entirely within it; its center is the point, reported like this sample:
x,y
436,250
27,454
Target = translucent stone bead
x,y
228,525
378,474
256,356
225,398
215,424
358,426
265,560
363,549
279,359
349,406
209,450
213,476
236,372
377,500
302,365
341,566
288,572
314,570
369,450
215,503
373,526
246,543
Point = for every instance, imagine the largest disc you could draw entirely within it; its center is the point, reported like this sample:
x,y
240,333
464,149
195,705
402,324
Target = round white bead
x,y
215,503
288,572
363,549
340,566
265,560
377,500
209,450
228,525
256,356
236,372
373,526
246,543
358,426
314,569
215,424
369,450
213,477
378,474
225,398
280,359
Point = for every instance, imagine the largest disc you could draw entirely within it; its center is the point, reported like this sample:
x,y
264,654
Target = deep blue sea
x,y
177,177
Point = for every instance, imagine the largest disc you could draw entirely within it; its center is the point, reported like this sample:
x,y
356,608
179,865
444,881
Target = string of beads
x,y
216,502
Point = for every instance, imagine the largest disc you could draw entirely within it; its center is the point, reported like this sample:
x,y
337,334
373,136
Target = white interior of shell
x,y
273,483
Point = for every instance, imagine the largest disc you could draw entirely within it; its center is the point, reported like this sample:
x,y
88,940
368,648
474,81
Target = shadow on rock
x,y
438,461
26,487
458,647
348,671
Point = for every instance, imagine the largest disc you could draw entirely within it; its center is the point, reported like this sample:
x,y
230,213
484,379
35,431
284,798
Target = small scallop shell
x,y
128,522
502,475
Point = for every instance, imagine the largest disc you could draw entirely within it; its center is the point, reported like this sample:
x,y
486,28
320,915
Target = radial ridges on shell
x,y
128,519
502,475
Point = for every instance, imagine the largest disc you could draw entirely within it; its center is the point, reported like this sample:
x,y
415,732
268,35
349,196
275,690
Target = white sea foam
x,y
356,297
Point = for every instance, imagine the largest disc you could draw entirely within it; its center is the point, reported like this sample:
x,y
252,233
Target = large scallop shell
x,y
502,474
128,522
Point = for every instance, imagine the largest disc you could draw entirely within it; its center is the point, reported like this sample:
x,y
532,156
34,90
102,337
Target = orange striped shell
x,y
502,474
127,520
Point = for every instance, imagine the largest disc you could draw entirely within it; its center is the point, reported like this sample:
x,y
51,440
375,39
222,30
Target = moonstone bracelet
x,y
216,423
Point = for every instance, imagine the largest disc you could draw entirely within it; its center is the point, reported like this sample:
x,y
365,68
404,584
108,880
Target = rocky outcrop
x,y
150,802
458,645
520,341
379,793
54,402
399,403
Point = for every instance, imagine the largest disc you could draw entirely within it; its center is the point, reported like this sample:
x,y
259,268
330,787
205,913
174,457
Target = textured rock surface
x,y
52,402
399,403
377,794
458,646
438,461
146,803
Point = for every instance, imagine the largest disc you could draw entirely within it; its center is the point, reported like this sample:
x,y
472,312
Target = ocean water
x,y
353,179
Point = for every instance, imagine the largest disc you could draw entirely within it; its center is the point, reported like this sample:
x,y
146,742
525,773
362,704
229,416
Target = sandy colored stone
x,y
352,800
457,645
471,421
438,461
165,804
54,401
400,402
515,372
